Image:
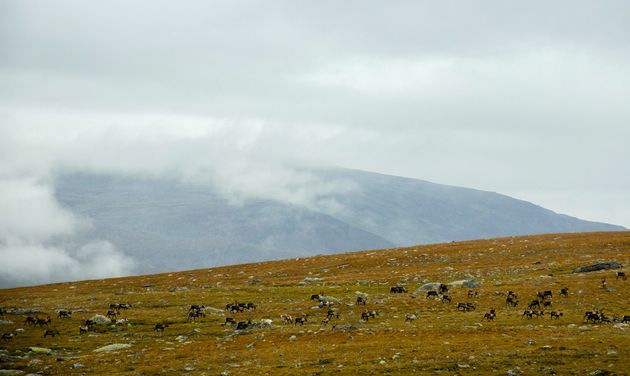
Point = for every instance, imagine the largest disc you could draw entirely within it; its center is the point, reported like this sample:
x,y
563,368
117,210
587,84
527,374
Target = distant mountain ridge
x,y
168,226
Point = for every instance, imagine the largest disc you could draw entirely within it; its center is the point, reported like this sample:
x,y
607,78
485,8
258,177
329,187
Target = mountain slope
x,y
171,226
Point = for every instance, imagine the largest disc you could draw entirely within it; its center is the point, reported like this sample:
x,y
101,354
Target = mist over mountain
x,y
167,225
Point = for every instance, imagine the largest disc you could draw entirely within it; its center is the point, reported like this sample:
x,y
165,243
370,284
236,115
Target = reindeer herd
x,y
542,304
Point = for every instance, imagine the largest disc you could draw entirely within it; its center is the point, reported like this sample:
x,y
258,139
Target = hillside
x,y
441,340
167,225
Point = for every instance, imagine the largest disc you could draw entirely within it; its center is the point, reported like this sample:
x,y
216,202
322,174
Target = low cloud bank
x,y
37,240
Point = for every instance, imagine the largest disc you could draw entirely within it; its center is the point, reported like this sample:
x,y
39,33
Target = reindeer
x,y
397,290
472,294
30,320
325,321
534,303
288,319
160,327
51,332
511,301
554,314
564,292
442,289
410,317
446,298
242,325
43,322
111,314
301,320
361,300
83,329
332,313
229,320
64,314
432,294
622,275
8,337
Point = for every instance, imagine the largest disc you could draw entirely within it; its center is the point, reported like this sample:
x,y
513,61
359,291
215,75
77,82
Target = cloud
x,y
36,239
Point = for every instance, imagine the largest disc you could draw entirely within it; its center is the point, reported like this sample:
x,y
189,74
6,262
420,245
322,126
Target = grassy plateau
x,y
441,340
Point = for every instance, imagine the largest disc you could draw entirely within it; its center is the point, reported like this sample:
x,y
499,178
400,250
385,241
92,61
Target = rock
x,y
11,372
292,338
598,266
429,286
77,365
23,311
312,279
6,322
468,283
176,289
189,368
181,339
100,320
113,347
40,350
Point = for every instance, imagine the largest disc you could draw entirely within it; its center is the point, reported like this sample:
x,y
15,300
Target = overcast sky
x,y
527,99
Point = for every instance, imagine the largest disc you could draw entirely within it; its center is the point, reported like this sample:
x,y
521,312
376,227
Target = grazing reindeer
x,y
242,325
111,314
30,320
83,329
43,322
511,301
229,320
443,289
626,319
51,332
64,314
621,275
332,313
8,336
534,303
555,315
472,293
160,327
397,290
564,292
301,320
361,300
288,319
446,298
547,304
432,294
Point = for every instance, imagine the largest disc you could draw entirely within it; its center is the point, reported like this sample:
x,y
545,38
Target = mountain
x,y
167,225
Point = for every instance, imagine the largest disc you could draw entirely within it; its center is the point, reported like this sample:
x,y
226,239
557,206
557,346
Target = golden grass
x,y
441,341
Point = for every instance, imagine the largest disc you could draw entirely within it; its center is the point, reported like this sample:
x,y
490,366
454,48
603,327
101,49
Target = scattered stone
x,y
113,347
6,322
176,289
40,350
531,342
598,266
23,311
189,368
292,338
181,339
312,279
100,320
77,365
463,366
11,372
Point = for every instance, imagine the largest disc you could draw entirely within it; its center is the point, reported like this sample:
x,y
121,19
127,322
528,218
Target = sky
x,y
525,99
